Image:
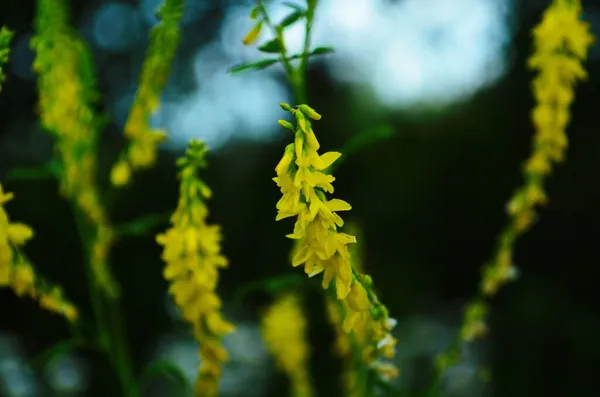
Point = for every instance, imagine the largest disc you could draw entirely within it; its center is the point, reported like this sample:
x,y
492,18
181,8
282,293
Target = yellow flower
x,y
320,246
24,280
120,174
17,273
192,253
19,234
284,330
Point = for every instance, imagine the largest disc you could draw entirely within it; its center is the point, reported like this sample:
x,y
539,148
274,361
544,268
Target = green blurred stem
x,y
109,319
296,76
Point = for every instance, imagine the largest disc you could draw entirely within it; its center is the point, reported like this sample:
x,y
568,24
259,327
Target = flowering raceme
x,y
192,255
17,273
66,99
561,44
284,331
143,141
371,339
320,246
300,176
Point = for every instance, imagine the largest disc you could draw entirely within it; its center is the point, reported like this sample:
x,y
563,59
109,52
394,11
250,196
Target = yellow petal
x,y
338,205
328,159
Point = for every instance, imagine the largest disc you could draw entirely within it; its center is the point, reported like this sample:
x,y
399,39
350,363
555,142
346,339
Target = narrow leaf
x,y
322,50
368,137
143,225
292,18
273,46
48,171
168,370
253,66
294,6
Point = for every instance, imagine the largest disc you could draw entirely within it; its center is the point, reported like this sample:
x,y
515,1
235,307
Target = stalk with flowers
x,y
323,243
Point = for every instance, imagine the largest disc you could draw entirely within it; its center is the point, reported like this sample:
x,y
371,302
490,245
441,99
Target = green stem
x,y
296,76
108,319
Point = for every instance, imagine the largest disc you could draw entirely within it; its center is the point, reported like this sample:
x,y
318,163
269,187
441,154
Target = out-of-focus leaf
x,y
265,63
361,140
167,369
322,50
143,225
283,282
294,6
368,137
48,171
271,285
292,18
272,46
55,351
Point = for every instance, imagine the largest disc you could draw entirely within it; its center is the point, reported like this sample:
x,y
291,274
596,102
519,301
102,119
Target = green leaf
x,y
254,12
284,282
271,285
322,50
54,352
265,63
292,18
168,370
48,171
143,225
273,46
361,140
294,6
368,137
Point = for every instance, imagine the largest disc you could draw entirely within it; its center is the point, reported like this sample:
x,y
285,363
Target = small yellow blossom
x,y
253,34
17,273
191,250
284,330
141,151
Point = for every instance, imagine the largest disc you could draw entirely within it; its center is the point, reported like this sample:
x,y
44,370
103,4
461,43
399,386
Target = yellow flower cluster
x,y
5,38
66,96
17,273
284,331
192,255
320,247
300,176
561,44
143,140
368,343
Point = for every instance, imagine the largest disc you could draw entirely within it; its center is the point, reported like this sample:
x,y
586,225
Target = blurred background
x,y
446,78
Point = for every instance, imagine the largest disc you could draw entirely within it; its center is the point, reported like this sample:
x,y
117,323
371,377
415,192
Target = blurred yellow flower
x,y
284,330
192,252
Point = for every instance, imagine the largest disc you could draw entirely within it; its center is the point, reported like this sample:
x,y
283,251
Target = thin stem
x,y
108,320
302,71
279,35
